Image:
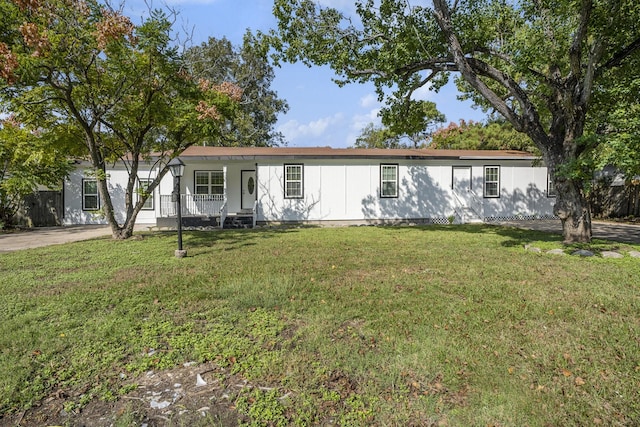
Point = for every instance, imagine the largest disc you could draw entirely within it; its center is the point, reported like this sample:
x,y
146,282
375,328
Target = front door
x,y
249,189
462,182
461,179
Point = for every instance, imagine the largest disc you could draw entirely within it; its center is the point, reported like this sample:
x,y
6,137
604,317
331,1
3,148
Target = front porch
x,y
204,210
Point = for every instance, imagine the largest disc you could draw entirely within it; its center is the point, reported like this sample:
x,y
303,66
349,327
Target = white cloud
x,y
424,94
360,121
294,130
369,101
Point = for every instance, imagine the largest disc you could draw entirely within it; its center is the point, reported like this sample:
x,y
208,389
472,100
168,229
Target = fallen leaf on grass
x,y
567,373
579,381
568,358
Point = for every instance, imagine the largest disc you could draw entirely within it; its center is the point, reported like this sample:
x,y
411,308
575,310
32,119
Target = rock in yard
x,y
199,381
634,254
611,254
159,405
556,252
583,252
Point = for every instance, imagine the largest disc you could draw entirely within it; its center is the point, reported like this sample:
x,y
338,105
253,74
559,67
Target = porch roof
x,y
257,153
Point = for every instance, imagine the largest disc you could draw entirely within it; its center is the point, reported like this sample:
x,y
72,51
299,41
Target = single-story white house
x,y
327,185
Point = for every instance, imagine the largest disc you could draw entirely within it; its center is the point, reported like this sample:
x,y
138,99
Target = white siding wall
x,y
336,190
117,183
341,190
523,191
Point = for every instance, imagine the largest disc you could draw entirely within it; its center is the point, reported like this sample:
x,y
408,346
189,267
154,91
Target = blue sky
x,y
320,113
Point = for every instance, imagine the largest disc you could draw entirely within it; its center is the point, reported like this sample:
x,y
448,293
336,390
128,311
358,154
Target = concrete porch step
x,y
238,221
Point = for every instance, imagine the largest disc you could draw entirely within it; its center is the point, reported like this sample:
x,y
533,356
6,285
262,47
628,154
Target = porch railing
x,y
223,213
193,205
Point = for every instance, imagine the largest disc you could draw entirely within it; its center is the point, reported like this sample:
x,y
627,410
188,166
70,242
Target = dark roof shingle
x,y
328,152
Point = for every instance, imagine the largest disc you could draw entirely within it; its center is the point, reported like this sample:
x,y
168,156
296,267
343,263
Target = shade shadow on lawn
x,y
238,239
230,239
516,236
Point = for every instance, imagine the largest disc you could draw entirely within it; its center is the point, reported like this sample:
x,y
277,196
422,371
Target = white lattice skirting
x,y
502,218
519,218
440,221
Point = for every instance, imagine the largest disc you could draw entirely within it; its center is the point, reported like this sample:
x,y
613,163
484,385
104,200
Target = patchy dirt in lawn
x,y
189,395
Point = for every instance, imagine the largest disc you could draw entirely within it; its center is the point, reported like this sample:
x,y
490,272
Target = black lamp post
x,y
177,169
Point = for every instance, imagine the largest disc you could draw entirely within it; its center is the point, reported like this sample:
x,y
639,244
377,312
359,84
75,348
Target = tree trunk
x,y
572,207
117,232
124,232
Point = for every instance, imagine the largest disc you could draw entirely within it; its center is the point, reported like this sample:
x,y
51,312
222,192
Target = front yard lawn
x,y
431,325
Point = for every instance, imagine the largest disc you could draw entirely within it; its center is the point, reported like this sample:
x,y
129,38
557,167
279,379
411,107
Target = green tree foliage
x,y
615,126
406,125
495,135
542,65
373,136
412,119
219,61
28,158
121,89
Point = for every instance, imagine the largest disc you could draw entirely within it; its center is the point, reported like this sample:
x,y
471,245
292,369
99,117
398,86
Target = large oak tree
x,y
248,67
121,89
538,63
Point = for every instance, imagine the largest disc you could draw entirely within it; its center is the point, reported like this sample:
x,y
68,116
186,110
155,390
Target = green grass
x,y
358,326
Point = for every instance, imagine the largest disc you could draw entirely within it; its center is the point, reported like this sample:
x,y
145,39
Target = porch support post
x,y
224,180
255,204
225,206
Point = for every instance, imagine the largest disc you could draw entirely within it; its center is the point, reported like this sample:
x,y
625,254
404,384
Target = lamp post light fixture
x,y
177,169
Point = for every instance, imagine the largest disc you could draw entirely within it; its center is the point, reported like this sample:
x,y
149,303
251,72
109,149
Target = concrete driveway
x,y
46,236
626,233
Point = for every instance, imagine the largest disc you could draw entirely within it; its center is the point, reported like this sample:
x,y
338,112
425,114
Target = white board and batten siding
x,y
75,211
342,185
336,190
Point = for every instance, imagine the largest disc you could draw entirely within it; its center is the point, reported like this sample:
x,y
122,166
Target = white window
x,y
388,180
551,185
492,181
209,182
293,181
90,197
143,185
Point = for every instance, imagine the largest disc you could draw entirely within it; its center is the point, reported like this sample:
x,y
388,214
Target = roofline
x,y
295,153
499,157
334,157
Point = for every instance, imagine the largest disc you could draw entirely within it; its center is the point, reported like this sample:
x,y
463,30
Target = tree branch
x,y
618,57
471,68
367,72
422,83
590,74
434,64
575,57
443,19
